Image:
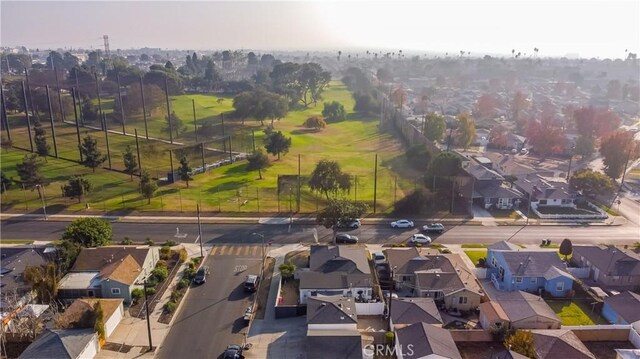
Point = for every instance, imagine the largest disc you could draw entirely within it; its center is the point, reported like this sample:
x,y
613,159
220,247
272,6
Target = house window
x,y
90,293
534,280
462,300
494,262
560,286
115,290
406,278
542,201
615,277
501,273
518,279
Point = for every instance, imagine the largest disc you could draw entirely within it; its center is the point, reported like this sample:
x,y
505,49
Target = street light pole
x,y
393,285
263,258
200,230
44,201
146,307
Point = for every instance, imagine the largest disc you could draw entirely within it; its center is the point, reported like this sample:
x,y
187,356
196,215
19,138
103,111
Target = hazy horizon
x,y
603,29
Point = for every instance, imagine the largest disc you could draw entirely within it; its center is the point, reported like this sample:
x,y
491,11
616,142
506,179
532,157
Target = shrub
x,y
152,281
148,241
482,262
389,337
161,273
162,263
175,296
170,307
170,243
183,255
189,273
413,203
183,283
192,265
137,294
445,251
196,260
126,241
499,334
165,252
151,291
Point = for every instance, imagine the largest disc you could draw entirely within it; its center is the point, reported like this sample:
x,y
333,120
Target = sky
x,y
596,28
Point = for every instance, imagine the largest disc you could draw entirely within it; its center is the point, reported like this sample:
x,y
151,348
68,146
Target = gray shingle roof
x,y
426,339
482,173
521,305
331,310
348,259
59,344
334,344
509,354
503,246
531,263
410,311
626,304
610,260
559,343
409,261
95,259
501,191
14,261
336,280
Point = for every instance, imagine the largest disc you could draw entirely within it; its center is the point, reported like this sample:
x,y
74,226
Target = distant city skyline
x,y
603,29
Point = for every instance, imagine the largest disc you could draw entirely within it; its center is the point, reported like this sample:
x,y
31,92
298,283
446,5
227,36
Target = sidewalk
x,y
132,332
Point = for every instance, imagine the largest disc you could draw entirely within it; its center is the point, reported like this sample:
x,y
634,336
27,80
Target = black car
x,y
433,228
251,283
233,351
201,275
346,238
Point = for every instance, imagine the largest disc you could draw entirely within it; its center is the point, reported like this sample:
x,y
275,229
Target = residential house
x,y
545,191
331,313
108,272
559,343
509,354
609,267
531,271
623,308
455,289
337,270
15,292
486,187
338,344
516,142
423,340
64,343
407,311
519,310
75,315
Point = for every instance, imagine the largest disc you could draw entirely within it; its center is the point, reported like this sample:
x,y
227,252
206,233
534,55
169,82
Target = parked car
x,y
351,224
251,283
524,151
346,238
402,223
433,228
248,314
387,293
379,258
233,351
420,238
201,275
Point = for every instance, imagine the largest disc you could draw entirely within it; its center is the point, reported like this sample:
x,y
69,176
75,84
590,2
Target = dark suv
x,y
201,275
346,238
251,283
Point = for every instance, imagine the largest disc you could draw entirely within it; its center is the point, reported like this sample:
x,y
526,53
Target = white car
x,y
420,238
402,223
379,258
351,224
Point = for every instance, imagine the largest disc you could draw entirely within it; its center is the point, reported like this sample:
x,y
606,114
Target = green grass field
x,y
476,255
353,143
575,312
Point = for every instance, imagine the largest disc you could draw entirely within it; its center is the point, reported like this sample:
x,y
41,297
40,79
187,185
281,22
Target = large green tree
x,y
175,125
616,149
521,342
340,211
44,280
258,161
5,182
444,164
334,111
184,171
88,232
91,155
148,186
76,187
592,183
276,143
585,146
434,126
315,122
29,171
328,177
466,131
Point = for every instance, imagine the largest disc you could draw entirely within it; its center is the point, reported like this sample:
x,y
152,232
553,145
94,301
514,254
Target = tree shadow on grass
x,y
227,186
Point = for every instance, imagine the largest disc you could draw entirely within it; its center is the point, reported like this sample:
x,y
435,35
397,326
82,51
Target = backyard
x,y
475,255
353,143
575,312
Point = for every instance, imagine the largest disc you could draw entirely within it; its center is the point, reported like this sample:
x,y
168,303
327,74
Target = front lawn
x,y
575,312
476,255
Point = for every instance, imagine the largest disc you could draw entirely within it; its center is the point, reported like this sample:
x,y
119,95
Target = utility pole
x,y
75,71
53,129
33,112
375,184
5,119
95,75
43,199
200,230
299,185
106,137
135,131
144,109
166,95
195,120
26,113
121,105
75,113
146,308
62,116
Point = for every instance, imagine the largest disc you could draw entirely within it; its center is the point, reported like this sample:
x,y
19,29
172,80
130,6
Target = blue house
x,y
531,271
623,308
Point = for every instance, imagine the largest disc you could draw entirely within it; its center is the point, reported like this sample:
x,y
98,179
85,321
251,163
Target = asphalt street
x,y
283,234
211,316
